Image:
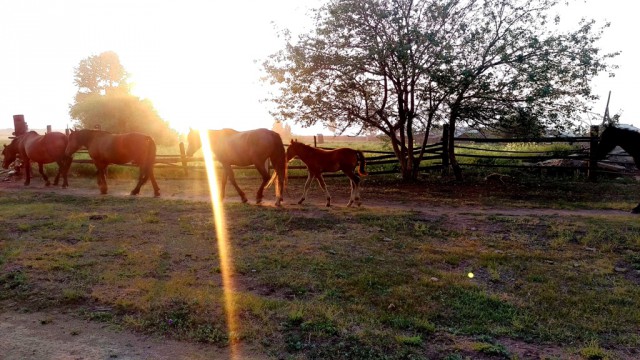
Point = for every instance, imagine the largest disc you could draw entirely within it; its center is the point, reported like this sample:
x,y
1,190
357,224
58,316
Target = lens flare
x,y
224,248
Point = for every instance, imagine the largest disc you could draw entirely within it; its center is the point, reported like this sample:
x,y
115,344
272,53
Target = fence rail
x,y
436,155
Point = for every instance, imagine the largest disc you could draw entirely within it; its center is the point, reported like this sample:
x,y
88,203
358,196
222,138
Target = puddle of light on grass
x,y
224,248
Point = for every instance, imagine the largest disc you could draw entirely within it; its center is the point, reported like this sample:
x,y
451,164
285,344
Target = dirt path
x,y
56,335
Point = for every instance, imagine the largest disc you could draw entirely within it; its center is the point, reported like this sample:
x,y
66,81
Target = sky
x,y
198,61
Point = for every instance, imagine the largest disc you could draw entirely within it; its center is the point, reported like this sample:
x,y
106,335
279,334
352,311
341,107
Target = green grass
x,y
334,283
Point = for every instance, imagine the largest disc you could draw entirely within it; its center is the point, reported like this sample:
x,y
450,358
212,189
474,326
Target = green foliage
x,y
104,100
400,67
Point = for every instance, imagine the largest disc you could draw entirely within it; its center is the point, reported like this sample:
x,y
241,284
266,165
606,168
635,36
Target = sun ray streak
x,y
224,247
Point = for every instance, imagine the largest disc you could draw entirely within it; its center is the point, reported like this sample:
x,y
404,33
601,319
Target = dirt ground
x,y
63,335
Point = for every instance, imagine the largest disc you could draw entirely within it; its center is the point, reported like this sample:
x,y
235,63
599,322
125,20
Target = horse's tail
x,y
363,162
279,161
150,159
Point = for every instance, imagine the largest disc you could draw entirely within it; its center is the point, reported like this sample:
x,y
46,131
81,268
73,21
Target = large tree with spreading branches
x,y
400,66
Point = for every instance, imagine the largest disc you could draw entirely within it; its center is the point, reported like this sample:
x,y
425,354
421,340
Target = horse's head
x,y
74,142
194,142
608,141
9,154
292,149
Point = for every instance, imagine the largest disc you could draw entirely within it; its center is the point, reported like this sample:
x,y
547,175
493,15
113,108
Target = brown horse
x,y
42,149
319,161
106,148
244,148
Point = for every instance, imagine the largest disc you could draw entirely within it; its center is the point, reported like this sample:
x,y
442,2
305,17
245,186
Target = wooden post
x,y
315,143
593,146
183,158
19,125
48,129
445,149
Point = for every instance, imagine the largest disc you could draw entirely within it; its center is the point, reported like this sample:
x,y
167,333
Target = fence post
x,y
19,125
183,158
593,145
48,129
445,149
315,143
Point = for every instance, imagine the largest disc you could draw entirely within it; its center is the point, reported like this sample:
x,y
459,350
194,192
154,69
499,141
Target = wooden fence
x,y
436,156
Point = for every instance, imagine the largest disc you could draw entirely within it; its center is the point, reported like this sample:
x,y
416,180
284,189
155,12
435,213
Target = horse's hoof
x,y
156,194
244,201
258,201
636,210
300,202
328,205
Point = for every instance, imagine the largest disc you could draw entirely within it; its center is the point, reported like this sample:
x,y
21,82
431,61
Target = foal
x,y
319,161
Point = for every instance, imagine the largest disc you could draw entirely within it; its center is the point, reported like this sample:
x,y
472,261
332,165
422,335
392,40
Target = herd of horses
x,y
230,148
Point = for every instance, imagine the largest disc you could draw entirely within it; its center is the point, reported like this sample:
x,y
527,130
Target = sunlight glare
x,y
224,248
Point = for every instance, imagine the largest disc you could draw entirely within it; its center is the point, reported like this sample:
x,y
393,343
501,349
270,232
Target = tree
x,y
283,129
400,66
104,99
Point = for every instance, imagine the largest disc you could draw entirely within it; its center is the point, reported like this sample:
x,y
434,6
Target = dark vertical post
x,y
48,128
66,131
183,158
315,141
19,125
445,149
593,146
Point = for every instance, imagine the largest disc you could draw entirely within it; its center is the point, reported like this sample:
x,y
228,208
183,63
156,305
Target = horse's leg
x,y
152,177
232,178
265,180
66,166
307,184
57,178
27,172
44,176
142,178
355,187
102,180
223,184
324,187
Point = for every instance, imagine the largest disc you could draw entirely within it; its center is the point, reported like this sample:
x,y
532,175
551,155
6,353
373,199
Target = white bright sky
x,y
198,61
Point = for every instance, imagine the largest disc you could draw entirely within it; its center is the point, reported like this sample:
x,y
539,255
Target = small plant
x,y
409,340
593,351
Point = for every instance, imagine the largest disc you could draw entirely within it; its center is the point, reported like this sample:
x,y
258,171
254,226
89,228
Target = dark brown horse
x,y
42,149
244,148
319,161
106,148
627,139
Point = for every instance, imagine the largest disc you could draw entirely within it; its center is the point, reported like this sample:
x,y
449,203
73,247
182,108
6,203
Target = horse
x,y
106,148
42,149
627,139
319,161
244,148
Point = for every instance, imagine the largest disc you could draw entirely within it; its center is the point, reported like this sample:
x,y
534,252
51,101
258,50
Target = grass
x,y
336,283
